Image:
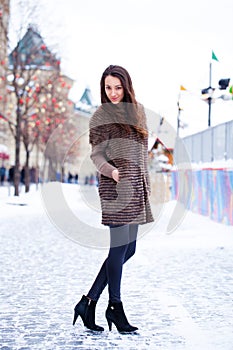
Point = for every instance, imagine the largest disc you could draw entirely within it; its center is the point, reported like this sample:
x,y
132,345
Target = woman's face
x,y
114,89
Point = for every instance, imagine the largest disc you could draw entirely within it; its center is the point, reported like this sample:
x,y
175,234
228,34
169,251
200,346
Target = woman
x,y
118,136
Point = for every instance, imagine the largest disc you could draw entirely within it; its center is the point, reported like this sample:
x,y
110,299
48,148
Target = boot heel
x,y
115,314
86,310
76,314
109,324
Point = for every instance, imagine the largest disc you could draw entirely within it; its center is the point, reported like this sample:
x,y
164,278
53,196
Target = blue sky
x,y
162,44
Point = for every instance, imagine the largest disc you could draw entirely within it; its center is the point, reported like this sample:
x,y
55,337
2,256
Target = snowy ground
x,y
178,288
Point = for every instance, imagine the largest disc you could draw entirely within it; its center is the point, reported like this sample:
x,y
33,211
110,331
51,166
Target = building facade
x,y
4,132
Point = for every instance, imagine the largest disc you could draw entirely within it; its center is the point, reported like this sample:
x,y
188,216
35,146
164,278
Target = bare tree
x,y
31,64
37,92
4,22
56,109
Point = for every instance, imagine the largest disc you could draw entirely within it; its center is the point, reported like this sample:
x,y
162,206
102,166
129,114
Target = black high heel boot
x,y
86,310
115,314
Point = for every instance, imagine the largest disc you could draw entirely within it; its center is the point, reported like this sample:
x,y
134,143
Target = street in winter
x,y
127,105
177,289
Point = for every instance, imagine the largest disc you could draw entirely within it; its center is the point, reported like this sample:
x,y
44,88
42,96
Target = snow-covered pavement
x,y
178,288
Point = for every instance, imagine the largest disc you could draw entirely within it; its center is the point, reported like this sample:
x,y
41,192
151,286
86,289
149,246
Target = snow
x,y
181,283
3,149
217,164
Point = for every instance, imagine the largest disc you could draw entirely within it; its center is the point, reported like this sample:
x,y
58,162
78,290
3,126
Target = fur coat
x,y
116,144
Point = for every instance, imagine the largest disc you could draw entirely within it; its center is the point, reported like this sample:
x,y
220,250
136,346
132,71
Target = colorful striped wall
x,y
212,193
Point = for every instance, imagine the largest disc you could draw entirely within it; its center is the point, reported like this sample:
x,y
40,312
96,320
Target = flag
x,y
231,91
182,88
214,56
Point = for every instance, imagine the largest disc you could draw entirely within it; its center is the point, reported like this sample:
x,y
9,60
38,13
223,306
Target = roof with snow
x,y
86,103
32,51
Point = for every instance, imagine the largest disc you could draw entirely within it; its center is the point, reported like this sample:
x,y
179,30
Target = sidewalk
x,y
178,288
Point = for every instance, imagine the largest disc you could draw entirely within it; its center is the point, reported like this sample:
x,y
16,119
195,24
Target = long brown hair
x,y
136,114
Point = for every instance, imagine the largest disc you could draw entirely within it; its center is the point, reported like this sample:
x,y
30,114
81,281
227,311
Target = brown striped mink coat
x,y
115,147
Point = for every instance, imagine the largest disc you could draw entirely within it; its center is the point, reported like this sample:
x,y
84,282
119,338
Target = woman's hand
x,y
115,175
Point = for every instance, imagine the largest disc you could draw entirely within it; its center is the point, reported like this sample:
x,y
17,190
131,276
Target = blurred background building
x,y
4,132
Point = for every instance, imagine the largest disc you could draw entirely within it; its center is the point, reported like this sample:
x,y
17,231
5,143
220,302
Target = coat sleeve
x,y
147,176
99,159
98,138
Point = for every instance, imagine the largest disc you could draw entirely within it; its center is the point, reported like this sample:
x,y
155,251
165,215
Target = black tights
x,y
122,248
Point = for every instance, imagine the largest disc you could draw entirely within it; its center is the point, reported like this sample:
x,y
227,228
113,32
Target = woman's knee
x,y
130,251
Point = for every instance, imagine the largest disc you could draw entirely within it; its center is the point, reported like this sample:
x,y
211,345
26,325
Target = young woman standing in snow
x,y
119,138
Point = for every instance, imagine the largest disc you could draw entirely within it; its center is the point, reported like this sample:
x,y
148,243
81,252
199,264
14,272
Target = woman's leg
x,y
99,284
133,231
118,238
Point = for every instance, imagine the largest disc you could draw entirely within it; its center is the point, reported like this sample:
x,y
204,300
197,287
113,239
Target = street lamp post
x,y
209,111
207,96
178,117
210,97
208,92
